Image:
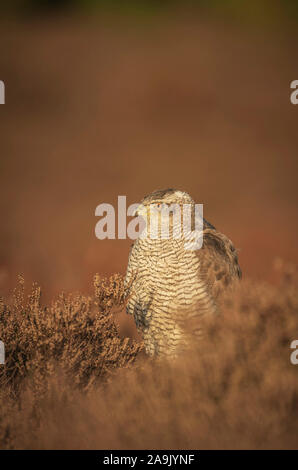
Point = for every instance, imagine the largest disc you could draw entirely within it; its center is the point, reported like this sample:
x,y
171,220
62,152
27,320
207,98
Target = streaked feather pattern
x,y
168,285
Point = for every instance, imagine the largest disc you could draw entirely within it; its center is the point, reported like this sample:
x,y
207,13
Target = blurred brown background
x,y
107,104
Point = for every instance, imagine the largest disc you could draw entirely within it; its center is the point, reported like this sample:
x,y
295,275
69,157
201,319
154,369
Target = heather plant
x,y
236,388
77,334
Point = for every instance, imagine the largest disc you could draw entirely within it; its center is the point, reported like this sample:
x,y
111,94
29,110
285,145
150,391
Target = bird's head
x,y
163,210
163,199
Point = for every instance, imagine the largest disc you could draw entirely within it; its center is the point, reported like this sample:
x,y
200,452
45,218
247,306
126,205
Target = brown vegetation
x,y
70,382
76,333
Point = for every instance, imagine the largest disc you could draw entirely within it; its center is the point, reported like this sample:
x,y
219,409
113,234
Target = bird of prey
x,y
168,284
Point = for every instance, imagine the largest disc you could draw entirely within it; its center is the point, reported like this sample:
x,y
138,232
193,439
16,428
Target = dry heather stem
x,y
76,333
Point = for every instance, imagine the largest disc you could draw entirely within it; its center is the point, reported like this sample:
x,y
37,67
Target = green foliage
x,y
247,10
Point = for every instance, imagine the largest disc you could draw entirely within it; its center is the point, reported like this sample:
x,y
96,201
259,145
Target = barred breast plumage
x,y
168,285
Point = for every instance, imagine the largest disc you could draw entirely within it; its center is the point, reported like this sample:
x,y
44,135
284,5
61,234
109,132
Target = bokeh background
x,y
122,98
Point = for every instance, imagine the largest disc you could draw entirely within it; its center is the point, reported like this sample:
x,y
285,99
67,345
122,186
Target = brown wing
x,y
219,261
